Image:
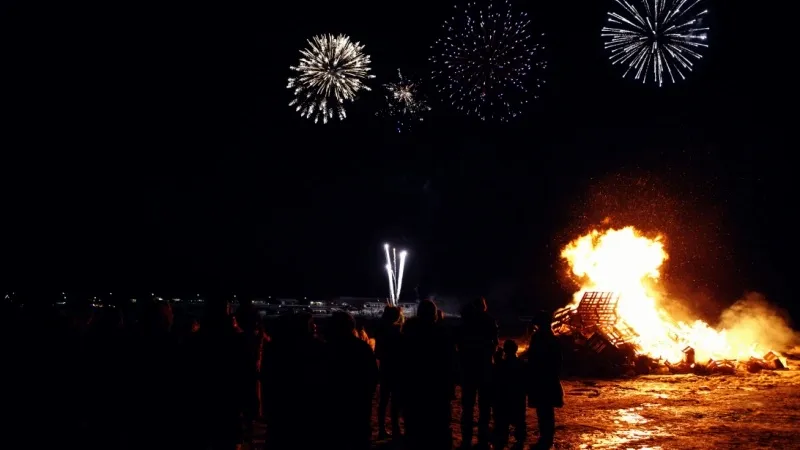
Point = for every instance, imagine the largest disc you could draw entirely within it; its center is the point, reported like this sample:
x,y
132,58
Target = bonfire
x,y
620,304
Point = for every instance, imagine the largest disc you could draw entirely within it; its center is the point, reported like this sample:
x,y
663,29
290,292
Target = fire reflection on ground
x,y
686,412
748,411
629,432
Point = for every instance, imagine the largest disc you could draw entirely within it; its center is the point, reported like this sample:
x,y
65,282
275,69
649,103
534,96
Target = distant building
x,y
356,301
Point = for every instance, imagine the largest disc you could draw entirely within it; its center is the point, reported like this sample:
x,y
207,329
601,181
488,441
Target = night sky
x,y
152,148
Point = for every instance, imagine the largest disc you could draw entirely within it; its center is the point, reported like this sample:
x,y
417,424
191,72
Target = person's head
x,y
392,315
479,304
305,324
341,325
157,317
80,312
467,311
217,311
544,322
165,316
510,348
111,320
426,311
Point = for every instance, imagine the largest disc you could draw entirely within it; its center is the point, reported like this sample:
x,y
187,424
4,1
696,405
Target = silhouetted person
x,y
428,355
153,363
388,352
510,393
545,392
78,368
352,374
220,363
295,385
39,360
111,367
249,321
477,341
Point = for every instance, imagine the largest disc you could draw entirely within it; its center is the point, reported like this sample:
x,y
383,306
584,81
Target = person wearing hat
x,y
545,392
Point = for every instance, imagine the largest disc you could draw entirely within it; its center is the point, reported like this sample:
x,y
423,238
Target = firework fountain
x,y
394,273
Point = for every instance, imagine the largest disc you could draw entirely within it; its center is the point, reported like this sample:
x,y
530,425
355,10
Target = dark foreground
x,y
743,411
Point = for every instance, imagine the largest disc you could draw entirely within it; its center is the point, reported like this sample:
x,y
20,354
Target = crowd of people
x,y
103,381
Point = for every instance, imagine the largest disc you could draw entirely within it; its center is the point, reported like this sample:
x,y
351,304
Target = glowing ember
x,y
629,264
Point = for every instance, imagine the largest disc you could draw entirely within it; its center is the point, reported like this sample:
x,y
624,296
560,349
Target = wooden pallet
x,y
598,308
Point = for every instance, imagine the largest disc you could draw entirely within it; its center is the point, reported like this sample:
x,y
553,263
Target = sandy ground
x,y
743,411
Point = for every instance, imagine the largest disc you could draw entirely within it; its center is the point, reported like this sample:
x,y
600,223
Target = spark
x,y
404,102
658,39
331,72
484,60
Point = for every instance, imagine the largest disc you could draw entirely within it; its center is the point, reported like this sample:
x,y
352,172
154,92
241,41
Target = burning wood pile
x,y
594,325
616,322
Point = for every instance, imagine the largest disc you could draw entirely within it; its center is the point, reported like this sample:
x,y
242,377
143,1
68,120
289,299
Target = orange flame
x,y
629,264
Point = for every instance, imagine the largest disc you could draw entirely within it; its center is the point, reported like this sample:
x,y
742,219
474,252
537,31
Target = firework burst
x,y
484,60
331,71
656,39
404,102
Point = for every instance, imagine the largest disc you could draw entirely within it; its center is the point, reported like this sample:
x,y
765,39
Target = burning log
x,y
688,357
755,365
723,366
774,361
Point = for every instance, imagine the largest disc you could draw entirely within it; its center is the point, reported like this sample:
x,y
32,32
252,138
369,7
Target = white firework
x,y
656,39
484,62
404,102
394,275
331,72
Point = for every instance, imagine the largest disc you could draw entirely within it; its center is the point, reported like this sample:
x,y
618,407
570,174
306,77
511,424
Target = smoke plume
x,y
753,320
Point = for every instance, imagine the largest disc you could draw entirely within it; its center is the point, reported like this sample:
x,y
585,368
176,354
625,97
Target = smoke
x,y
753,320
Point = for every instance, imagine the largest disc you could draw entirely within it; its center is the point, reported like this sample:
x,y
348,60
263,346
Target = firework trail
x,y
484,60
331,71
404,103
394,274
400,273
656,39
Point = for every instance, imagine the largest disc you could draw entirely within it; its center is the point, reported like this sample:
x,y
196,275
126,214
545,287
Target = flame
x,y
628,263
